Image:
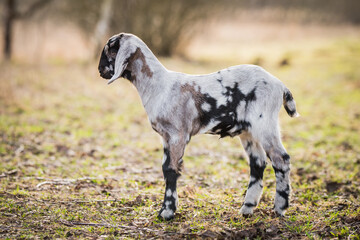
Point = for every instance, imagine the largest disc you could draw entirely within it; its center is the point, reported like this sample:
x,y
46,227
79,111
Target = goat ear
x,y
122,59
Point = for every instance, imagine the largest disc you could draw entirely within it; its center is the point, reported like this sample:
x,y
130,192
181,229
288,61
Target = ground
x,y
79,158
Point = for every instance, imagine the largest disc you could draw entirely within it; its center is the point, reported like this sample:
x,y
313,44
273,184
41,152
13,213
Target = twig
x,y
5,174
134,228
53,183
88,201
70,224
68,181
75,201
67,223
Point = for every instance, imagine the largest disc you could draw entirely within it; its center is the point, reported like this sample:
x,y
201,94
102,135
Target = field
x,y
79,158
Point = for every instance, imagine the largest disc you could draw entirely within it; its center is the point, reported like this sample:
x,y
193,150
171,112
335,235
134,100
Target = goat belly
x,y
227,126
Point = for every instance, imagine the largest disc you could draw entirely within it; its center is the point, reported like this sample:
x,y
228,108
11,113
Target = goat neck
x,y
148,75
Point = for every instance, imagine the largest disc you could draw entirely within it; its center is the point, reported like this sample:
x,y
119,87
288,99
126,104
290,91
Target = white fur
x,y
168,193
167,213
175,196
246,210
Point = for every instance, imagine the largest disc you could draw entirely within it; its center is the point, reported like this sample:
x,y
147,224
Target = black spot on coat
x,y
256,171
226,114
285,194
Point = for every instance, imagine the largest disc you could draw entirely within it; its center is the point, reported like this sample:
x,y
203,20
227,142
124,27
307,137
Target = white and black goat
x,y
242,100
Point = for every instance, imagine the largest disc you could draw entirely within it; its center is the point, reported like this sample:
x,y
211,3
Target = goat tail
x,y
289,103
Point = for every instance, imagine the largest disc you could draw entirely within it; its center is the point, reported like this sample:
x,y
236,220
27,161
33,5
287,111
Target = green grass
x,y
95,147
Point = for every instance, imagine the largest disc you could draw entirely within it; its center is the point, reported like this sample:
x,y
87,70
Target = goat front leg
x,y
171,166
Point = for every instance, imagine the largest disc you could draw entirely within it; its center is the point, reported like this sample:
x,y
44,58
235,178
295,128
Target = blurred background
x,y
48,30
65,134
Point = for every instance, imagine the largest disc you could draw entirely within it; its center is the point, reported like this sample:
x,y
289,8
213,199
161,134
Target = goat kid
x,y
240,101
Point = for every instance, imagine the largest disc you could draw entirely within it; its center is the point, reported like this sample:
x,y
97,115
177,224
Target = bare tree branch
x,y
32,9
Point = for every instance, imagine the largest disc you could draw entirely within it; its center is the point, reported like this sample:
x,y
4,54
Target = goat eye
x,y
113,53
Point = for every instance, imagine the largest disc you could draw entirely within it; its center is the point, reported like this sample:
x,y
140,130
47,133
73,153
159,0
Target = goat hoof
x,y
279,212
246,211
166,214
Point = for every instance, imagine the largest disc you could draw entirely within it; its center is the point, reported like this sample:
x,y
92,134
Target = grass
x,y
76,151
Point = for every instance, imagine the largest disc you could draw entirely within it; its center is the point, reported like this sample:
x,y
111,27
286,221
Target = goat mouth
x,y
106,72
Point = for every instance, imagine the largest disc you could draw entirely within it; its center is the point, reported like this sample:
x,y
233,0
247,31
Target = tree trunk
x,y
102,25
8,27
11,15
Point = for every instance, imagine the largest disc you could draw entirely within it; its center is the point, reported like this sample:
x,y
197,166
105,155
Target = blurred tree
x,y
102,26
8,25
163,25
317,11
166,25
15,10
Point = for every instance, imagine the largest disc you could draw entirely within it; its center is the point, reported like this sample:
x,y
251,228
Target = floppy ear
x,y
122,59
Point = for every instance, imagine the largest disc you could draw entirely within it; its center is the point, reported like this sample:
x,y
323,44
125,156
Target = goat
x,y
240,101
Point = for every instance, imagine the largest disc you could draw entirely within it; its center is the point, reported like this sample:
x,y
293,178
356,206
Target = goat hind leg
x,y
281,164
257,162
